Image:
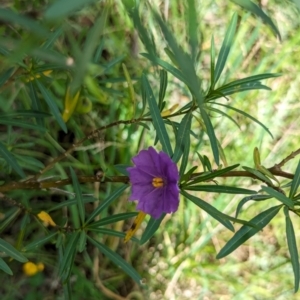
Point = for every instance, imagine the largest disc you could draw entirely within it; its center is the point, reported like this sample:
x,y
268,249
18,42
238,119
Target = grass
x,y
179,262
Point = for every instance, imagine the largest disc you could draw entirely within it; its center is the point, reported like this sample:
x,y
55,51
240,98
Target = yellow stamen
x,y
135,226
157,182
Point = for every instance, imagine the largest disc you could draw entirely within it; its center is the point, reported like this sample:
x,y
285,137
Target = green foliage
x,y
78,101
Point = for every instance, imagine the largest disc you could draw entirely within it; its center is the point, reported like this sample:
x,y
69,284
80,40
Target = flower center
x,y
157,182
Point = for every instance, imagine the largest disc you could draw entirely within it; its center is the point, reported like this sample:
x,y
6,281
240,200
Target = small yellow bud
x,y
31,268
46,219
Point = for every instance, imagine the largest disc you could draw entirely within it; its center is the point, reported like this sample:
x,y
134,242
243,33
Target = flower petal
x,y
138,176
149,161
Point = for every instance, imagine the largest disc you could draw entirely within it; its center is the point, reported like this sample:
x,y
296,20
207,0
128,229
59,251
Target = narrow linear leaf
x,y
21,124
248,198
35,103
9,16
168,67
62,8
91,43
255,9
246,232
225,48
183,134
117,260
293,249
86,199
151,228
212,62
4,267
24,114
247,80
6,75
78,195
9,218
39,242
192,25
107,201
112,219
258,174
185,157
52,105
65,266
163,83
106,231
158,122
9,158
212,211
211,134
220,189
11,251
295,182
279,196
246,115
213,174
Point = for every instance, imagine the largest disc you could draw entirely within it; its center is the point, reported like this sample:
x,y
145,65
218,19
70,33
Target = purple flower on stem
x,y
154,180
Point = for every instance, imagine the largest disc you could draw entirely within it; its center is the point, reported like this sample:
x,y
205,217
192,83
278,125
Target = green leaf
x,y
39,242
182,137
293,249
91,43
6,75
185,157
21,124
211,175
246,115
52,105
168,67
226,45
106,231
82,241
78,195
11,251
258,174
62,8
212,62
4,267
112,219
117,260
8,16
24,114
107,201
184,60
279,196
66,263
248,198
163,83
9,218
9,158
246,232
70,202
220,189
212,211
192,25
151,228
35,103
158,122
211,134
255,9
295,182
247,80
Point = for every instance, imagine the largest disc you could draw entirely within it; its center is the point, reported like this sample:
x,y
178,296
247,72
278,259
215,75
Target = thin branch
x,y
291,156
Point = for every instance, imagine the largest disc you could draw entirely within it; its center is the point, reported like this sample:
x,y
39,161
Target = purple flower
x,y
154,181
